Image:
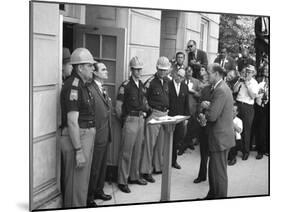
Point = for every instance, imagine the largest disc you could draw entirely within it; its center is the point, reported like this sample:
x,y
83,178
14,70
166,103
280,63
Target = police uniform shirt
x,y
132,96
156,93
75,96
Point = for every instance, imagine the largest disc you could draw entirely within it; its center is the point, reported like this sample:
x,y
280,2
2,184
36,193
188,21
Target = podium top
x,y
168,120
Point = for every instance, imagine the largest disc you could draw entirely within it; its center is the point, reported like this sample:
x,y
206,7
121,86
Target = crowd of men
x,y
227,104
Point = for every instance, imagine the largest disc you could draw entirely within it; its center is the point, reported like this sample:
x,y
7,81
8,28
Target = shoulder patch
x,y
148,81
75,82
73,95
121,90
125,82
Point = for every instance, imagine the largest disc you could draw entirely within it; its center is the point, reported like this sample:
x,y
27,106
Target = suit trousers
x,y
98,168
192,129
204,152
130,152
177,140
76,180
246,113
234,150
262,129
217,173
153,148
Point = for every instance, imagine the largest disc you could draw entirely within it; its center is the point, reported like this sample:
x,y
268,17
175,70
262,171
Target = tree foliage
x,y
236,31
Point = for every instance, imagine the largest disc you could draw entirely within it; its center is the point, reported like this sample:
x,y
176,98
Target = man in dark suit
x,y
262,39
178,101
226,61
197,58
103,136
221,133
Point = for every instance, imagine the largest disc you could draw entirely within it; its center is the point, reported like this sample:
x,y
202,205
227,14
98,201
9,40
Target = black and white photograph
x,y
139,105
133,105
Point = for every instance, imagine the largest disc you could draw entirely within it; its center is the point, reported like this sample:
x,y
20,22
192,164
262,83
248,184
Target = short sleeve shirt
x,y
132,96
75,96
243,95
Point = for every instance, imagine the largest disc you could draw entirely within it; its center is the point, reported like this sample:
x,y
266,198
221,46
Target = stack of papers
x,y
166,119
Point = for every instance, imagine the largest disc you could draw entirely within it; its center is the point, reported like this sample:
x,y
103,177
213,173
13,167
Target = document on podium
x,y
168,119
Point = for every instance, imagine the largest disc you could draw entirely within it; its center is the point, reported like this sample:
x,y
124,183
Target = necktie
x,y
104,92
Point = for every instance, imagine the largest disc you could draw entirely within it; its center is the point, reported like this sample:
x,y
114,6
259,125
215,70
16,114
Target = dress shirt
x,y
136,82
99,85
217,84
177,87
263,87
243,95
237,121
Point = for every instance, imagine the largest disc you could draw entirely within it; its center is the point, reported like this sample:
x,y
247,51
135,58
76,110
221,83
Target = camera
x,y
241,79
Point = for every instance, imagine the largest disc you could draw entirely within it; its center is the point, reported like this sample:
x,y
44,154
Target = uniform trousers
x,y
76,180
98,168
204,152
217,173
246,113
153,148
130,153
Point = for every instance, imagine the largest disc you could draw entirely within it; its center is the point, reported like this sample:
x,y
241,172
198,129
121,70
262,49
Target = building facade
x,y
113,35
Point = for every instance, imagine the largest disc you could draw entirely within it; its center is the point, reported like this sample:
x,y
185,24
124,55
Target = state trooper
x,y
158,101
131,107
78,130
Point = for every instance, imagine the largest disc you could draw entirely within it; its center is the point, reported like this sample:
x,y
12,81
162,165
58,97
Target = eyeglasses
x,y
189,46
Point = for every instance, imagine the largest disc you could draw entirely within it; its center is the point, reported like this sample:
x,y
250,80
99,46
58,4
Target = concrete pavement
x,y
245,178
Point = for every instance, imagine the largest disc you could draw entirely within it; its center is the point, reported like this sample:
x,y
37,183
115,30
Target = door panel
x,y
45,36
104,43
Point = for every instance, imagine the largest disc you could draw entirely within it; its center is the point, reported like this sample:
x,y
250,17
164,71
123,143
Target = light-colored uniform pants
x,y
130,152
153,145
75,180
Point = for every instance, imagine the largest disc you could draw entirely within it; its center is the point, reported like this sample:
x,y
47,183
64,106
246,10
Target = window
x,y
204,35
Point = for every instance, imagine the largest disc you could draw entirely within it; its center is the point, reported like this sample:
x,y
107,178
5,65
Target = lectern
x,y
169,123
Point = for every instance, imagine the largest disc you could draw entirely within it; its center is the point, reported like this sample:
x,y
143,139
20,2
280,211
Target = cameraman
x,y
247,90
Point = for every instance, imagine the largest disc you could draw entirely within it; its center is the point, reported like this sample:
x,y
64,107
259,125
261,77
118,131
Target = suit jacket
x,y
229,63
193,100
220,121
201,57
178,105
258,29
103,108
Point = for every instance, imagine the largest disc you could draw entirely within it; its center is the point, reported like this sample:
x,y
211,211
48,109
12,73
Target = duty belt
x,y
135,113
86,124
161,108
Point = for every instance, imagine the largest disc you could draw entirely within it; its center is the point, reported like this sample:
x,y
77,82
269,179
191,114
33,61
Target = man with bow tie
x,y
103,136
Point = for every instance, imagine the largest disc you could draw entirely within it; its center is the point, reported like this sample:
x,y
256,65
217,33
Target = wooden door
x,y
107,45
44,101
